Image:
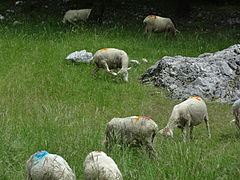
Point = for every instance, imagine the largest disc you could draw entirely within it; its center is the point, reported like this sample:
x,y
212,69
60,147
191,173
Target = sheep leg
x,y
207,126
237,118
191,130
186,128
166,35
95,71
72,22
184,133
107,68
149,148
147,31
126,77
108,146
151,151
108,143
110,138
237,124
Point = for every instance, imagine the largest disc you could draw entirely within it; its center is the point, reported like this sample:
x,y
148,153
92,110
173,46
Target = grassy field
x,y
49,104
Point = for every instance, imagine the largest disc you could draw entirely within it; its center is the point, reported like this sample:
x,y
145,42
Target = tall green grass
x,y
49,104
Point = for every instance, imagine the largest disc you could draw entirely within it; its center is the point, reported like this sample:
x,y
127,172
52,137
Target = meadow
x,y
49,104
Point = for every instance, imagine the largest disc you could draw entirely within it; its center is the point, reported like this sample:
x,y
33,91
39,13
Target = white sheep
x,y
2,17
131,131
236,113
155,23
43,166
73,16
185,115
111,58
99,166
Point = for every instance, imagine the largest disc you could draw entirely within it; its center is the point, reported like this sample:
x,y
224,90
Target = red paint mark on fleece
x,y
141,117
152,16
98,151
196,98
104,49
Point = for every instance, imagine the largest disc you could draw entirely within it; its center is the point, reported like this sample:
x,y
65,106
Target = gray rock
x,y
80,56
213,76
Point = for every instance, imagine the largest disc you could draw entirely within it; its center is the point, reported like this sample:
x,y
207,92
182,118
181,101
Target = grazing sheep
x,y
44,166
111,58
155,23
133,131
2,17
73,16
187,114
236,113
99,166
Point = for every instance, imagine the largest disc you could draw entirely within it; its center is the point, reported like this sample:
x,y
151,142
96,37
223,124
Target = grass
x,y
49,104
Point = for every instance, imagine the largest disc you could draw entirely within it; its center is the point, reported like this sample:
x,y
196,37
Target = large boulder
x,y
213,76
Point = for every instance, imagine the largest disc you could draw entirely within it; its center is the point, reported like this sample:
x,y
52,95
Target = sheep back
x,y
76,15
155,23
115,58
131,130
193,107
98,165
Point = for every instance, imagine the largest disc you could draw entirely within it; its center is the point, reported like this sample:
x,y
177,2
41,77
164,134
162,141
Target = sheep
x,y
99,166
187,114
73,16
131,131
155,23
43,166
111,58
236,113
2,17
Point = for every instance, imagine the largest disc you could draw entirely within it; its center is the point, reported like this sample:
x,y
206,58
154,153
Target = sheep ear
x,y
129,68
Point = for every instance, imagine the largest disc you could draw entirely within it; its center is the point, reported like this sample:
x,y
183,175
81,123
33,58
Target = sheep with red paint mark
x,y
236,113
73,16
98,165
157,24
131,131
111,58
186,115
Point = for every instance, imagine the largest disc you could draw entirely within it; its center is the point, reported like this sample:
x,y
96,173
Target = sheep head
x,y
166,132
124,73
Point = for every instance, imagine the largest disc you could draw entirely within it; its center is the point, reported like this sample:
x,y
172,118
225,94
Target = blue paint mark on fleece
x,y
40,154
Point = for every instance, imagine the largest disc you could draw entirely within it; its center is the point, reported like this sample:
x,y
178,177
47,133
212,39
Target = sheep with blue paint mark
x,y
45,166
